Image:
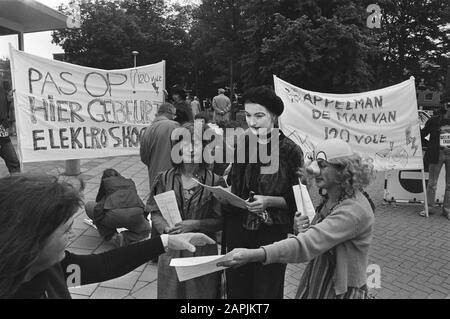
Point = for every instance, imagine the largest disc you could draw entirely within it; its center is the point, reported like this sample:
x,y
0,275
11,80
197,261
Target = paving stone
x,y
75,296
436,280
419,295
139,285
437,288
404,287
150,273
91,232
109,293
124,282
85,290
87,242
79,224
141,268
79,251
436,295
147,292
436,265
105,246
420,287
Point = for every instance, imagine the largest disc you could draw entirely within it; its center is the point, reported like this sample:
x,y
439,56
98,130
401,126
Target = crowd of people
x,y
36,214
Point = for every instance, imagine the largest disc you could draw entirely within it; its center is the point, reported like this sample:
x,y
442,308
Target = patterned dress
x,y
317,281
195,203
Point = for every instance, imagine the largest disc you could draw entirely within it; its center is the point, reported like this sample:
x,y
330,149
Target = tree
x,y
324,45
318,45
110,30
415,37
321,45
218,42
106,37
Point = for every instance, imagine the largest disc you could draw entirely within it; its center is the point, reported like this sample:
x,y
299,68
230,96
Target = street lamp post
x,y
134,53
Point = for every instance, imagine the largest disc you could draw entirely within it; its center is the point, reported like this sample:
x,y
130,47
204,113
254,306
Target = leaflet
x,y
224,194
167,204
303,201
193,267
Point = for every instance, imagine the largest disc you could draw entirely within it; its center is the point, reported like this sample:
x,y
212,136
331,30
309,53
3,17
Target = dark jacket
x,y
432,127
116,192
184,112
246,177
4,105
52,282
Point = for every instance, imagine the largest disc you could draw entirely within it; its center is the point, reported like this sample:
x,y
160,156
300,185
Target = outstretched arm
x,y
118,262
336,228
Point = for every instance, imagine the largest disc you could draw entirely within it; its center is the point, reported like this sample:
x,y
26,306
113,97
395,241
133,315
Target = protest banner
x,y
380,125
65,111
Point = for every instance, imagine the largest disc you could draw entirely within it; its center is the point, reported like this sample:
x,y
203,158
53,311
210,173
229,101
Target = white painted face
x,y
259,119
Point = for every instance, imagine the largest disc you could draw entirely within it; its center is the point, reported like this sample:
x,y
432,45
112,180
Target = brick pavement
x,y
412,252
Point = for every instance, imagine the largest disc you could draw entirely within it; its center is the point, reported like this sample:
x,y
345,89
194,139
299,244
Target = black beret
x,y
265,96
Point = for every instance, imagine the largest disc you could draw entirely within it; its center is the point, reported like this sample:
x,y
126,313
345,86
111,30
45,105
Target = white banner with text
x,y
380,125
65,111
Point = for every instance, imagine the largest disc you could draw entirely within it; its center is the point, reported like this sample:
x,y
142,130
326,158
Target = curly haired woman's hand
x,y
301,223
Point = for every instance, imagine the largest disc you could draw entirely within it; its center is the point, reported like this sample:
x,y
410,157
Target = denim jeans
x,y
433,170
8,153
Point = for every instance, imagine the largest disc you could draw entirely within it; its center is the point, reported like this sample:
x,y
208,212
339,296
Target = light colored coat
x,y
348,229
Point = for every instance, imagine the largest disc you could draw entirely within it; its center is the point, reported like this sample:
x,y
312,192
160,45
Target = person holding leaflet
x,y
269,213
337,243
37,213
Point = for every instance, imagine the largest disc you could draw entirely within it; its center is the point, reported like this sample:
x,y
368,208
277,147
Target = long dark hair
x,y
32,207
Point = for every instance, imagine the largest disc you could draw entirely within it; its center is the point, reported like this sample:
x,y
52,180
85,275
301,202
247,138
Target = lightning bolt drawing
x,y
155,87
411,140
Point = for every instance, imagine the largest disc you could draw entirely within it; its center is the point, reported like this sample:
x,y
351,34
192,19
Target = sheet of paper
x,y
303,201
308,206
168,207
225,194
193,267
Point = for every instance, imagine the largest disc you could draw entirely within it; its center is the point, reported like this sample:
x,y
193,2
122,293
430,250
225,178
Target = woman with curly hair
x,y
338,240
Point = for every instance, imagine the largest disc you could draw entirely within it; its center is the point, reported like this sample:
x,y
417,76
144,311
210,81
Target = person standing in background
x,y
222,107
195,105
10,106
184,111
156,146
7,151
438,154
